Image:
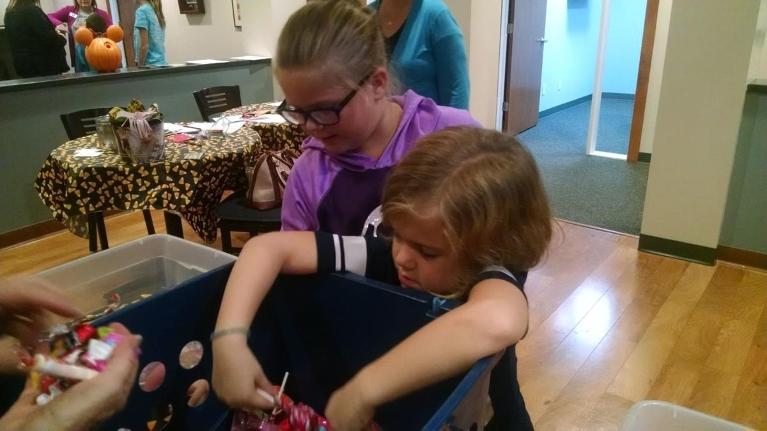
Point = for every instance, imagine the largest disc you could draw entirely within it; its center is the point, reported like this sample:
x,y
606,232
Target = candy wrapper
x,y
289,416
77,354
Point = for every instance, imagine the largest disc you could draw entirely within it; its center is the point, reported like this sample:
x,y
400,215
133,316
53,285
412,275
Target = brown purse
x,y
267,178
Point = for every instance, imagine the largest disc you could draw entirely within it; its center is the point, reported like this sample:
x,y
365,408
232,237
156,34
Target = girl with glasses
x,y
331,64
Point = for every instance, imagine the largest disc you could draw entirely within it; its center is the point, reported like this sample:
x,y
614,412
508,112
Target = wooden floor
x,y
610,326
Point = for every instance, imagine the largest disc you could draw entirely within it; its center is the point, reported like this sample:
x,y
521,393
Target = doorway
x,y
561,53
598,191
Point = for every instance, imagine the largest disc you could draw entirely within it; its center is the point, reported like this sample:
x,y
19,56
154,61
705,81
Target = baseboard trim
x,y
742,257
28,233
622,96
757,88
37,230
564,106
677,249
645,157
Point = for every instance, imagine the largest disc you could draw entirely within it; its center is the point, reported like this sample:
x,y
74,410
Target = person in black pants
x,y
36,47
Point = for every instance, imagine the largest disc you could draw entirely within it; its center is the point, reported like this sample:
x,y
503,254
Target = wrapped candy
x,y
75,355
288,416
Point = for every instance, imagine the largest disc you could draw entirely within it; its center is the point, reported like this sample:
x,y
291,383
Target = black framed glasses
x,y
322,116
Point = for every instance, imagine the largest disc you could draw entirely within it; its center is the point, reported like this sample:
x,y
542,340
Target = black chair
x,y
213,100
78,124
236,216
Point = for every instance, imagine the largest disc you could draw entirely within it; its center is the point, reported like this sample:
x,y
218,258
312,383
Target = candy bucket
x,y
141,149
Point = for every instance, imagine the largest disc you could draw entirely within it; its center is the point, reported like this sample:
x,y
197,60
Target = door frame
x,y
596,92
643,79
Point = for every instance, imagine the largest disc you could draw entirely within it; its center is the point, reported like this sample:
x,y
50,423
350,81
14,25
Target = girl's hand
x,y
348,410
237,375
87,403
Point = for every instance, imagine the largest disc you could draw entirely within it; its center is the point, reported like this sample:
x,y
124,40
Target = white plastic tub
x,y
660,415
134,270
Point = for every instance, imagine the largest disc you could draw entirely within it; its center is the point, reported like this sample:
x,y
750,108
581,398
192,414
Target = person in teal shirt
x,y
149,34
426,49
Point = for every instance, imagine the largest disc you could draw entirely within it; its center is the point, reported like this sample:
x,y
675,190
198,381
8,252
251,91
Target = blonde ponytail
x,y
157,6
338,36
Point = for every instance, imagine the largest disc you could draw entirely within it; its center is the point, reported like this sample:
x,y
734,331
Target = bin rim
x,y
447,408
631,418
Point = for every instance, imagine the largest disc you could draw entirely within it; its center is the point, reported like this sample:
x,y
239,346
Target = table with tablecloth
x,y
275,136
189,180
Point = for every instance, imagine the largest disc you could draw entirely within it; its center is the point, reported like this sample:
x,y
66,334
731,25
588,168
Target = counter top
x,y
79,78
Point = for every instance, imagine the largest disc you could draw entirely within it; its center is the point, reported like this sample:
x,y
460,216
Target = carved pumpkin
x,y
102,53
83,35
115,33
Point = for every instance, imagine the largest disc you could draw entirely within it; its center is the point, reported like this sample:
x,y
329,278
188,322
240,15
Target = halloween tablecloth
x,y
274,136
190,179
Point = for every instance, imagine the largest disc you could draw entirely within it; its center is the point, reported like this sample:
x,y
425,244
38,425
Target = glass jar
x,y
106,133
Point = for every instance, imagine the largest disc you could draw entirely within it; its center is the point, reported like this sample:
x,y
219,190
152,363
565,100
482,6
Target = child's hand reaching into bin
x,y
238,379
348,409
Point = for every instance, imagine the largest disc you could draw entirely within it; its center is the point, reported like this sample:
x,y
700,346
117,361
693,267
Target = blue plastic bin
x,y
322,329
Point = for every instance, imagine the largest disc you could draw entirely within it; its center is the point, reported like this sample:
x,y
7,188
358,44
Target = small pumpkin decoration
x,y
115,32
102,53
84,35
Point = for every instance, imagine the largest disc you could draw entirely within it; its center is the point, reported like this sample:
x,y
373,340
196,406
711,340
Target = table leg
x,y
102,230
148,221
92,239
173,224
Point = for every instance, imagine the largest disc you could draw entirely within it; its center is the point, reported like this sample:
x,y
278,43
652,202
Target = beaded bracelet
x,y
229,331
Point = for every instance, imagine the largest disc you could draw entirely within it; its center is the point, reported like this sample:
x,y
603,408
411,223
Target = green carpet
x,y
596,191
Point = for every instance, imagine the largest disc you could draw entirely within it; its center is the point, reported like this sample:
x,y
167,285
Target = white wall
x,y
699,113
208,35
262,22
624,44
570,55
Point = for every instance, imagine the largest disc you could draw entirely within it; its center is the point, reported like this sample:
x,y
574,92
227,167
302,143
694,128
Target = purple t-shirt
x,y
336,193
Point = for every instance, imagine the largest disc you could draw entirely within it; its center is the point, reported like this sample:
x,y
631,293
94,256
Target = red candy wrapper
x,y
290,416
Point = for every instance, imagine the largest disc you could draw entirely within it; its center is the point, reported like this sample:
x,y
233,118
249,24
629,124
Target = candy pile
x,y
75,355
289,416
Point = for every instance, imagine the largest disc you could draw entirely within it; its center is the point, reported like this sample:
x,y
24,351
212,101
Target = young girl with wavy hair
x,y
468,218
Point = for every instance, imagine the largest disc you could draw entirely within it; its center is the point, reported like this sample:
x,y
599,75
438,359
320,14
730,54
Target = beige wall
x,y
758,66
461,10
480,21
699,113
485,48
